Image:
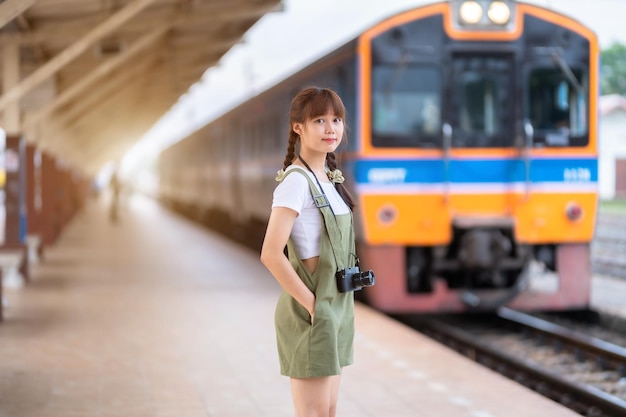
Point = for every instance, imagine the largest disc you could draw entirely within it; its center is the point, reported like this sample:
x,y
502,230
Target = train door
x,y
481,172
478,128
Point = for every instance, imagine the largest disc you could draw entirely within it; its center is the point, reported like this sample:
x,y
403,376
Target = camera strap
x,y
320,185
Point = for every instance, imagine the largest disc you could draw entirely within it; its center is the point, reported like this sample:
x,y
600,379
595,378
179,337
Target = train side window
x,y
248,141
240,138
256,135
266,144
406,105
219,147
557,106
208,149
261,137
280,134
277,135
255,140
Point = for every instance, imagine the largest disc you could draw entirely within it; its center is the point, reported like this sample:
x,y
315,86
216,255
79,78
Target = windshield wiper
x,y
567,71
398,70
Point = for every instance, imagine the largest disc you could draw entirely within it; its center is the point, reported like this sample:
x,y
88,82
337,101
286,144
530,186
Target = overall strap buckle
x,y
321,200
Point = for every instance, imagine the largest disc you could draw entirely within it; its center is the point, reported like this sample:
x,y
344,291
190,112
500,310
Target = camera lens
x,y
364,279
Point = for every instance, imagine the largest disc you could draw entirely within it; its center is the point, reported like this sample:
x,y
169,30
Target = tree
x,y
613,69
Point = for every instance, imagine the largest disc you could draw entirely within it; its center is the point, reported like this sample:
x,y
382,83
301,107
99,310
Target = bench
x,y
13,266
34,248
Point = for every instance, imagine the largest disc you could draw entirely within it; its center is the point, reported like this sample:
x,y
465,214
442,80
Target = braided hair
x,y
307,104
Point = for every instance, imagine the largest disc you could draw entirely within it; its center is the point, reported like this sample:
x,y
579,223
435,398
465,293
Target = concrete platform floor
x,y
157,317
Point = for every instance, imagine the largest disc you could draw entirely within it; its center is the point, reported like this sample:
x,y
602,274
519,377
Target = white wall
x,y
612,146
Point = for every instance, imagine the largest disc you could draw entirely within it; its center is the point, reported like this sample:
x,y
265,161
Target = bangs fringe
x,y
323,102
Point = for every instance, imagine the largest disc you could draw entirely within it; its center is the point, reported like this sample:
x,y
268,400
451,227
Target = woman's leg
x,y
315,397
334,394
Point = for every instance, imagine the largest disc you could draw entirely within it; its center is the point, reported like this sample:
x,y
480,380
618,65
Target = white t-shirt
x,y
294,193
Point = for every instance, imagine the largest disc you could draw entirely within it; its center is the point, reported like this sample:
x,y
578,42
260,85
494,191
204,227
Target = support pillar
x,y
49,218
34,230
63,197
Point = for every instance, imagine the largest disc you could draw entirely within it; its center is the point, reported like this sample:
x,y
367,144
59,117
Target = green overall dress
x,y
323,348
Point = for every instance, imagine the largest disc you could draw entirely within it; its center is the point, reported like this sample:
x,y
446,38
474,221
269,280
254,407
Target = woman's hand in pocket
x,y
311,309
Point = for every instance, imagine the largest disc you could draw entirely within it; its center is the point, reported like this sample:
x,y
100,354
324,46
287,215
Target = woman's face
x,y
321,134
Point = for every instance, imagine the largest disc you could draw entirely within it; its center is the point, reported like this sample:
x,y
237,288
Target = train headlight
x,y
499,13
484,15
470,12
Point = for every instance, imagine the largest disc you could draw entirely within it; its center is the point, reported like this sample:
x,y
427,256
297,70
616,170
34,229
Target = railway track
x,y
599,324
609,246
583,373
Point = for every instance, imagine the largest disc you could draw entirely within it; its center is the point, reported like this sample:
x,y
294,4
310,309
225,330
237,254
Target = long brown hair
x,y
306,105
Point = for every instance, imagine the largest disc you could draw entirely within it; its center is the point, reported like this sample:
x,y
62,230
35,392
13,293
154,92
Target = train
x,y
472,157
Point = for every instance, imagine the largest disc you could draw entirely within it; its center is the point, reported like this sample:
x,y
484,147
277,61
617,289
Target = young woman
x,y
314,320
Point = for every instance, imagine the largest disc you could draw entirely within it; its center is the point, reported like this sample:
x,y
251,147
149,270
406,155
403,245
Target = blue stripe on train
x,y
431,171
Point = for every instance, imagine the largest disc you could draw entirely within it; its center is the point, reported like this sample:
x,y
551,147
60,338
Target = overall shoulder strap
x,y
319,199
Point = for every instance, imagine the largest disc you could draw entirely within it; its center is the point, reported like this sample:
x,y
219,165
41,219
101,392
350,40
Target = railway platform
x,y
155,316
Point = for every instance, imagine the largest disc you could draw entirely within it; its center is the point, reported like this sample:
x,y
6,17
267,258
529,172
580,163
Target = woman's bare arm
x,y
272,256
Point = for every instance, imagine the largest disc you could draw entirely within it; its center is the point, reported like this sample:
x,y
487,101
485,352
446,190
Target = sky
x,y
283,42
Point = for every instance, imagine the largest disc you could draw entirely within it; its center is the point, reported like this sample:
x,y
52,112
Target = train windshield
x,y
557,106
406,106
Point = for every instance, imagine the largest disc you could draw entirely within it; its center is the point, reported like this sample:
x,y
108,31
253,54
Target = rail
x,y
583,373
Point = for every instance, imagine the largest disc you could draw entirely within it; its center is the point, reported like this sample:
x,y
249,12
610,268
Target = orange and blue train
x,y
472,156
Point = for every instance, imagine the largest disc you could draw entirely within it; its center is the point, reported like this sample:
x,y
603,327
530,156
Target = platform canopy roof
x,y
86,79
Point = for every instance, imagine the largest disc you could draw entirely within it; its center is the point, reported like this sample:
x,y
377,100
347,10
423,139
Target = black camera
x,y
352,279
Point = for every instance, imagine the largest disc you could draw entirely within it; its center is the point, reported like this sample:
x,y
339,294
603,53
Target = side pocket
x,y
302,313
